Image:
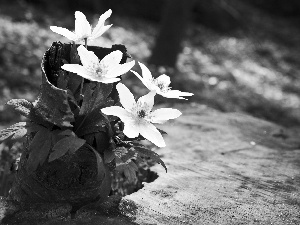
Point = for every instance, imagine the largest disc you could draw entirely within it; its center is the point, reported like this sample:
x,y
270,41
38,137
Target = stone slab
x,y
223,168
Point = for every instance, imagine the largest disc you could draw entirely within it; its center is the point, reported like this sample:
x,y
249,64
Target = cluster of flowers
x,y
137,116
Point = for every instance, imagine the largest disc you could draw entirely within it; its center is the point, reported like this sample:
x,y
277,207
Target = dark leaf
x,y
124,162
67,133
102,141
101,94
87,101
144,152
100,164
89,138
90,123
33,127
74,57
95,97
26,108
21,105
16,131
125,154
52,105
133,166
62,80
129,170
73,103
161,131
74,79
109,156
39,149
67,144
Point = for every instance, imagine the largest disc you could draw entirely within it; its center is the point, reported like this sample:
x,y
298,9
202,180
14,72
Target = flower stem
x,y
80,124
85,43
82,79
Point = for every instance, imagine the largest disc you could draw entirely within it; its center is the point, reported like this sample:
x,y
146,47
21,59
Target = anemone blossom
x,y
138,116
105,71
160,85
83,29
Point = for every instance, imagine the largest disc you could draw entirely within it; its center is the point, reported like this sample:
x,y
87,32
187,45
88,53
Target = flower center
x,y
162,86
141,113
97,69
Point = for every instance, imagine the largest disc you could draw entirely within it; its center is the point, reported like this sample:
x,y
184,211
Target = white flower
x,y
83,29
138,117
160,85
105,71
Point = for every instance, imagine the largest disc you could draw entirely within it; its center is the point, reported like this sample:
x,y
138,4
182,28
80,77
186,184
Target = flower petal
x,y
100,28
120,69
126,97
148,100
145,72
130,129
116,111
76,68
164,114
81,71
102,31
175,94
164,79
150,132
144,81
88,58
110,60
107,80
82,26
64,32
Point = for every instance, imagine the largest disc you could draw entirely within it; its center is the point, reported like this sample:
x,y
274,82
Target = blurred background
x,y
241,56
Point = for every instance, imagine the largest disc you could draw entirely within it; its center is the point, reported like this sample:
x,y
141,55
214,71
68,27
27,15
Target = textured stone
x,y
223,168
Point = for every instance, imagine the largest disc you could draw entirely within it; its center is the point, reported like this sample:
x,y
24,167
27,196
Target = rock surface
x,y
222,169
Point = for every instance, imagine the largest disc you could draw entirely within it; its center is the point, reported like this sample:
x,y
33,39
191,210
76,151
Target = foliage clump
x,y
79,107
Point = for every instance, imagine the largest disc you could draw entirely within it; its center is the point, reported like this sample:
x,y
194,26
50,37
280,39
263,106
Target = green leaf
x,y
14,132
144,152
21,105
64,145
39,149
